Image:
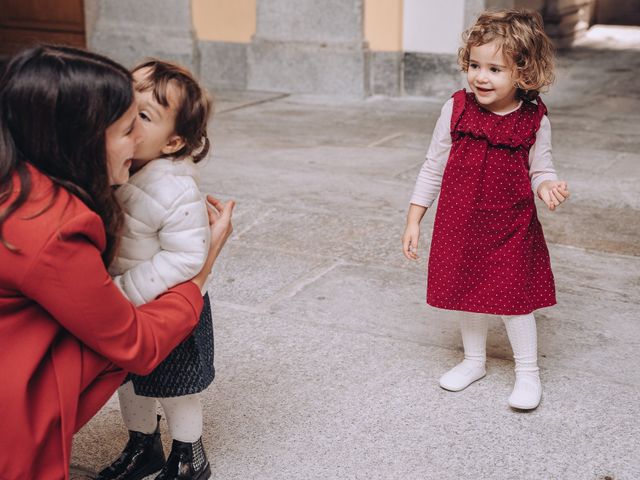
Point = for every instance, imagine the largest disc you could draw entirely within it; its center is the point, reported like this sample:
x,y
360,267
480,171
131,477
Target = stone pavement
x,y
327,357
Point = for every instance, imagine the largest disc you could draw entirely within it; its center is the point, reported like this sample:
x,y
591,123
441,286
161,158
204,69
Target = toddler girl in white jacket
x,y
165,215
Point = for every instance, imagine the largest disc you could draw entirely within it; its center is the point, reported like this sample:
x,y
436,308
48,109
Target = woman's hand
x,y
221,228
553,193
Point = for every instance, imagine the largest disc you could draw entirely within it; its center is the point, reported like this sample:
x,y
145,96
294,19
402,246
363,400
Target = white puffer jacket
x,y
166,232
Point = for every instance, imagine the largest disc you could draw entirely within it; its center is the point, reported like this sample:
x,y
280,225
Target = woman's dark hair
x,y
194,104
55,106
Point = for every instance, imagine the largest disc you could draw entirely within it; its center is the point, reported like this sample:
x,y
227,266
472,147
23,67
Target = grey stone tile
x,y
223,64
607,229
79,473
303,122
277,181
249,277
429,74
385,73
373,240
308,67
296,399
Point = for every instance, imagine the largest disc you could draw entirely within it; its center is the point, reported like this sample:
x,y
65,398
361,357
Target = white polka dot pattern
x,y
488,253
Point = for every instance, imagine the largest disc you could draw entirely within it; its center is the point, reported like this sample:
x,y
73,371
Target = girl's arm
x,y
429,180
544,180
184,243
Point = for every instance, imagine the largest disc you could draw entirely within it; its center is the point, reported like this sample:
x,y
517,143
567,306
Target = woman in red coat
x,y
67,335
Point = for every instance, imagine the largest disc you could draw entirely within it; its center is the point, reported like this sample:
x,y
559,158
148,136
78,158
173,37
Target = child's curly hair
x,y
193,110
524,43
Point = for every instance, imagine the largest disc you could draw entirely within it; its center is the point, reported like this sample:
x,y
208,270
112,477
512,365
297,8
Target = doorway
x,y
617,12
26,22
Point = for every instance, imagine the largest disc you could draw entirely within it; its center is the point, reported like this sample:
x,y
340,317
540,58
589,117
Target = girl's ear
x,y
517,78
175,143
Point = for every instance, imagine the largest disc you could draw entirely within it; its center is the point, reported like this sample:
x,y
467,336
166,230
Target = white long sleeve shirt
x,y
429,179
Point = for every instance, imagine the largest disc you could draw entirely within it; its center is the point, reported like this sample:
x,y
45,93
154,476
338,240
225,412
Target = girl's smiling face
x,y
157,123
492,78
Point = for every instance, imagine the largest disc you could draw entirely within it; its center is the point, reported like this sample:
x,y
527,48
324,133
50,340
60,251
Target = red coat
x,y
67,334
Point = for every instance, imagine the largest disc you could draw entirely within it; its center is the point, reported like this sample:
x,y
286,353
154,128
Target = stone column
x,y
474,7
567,20
306,46
130,30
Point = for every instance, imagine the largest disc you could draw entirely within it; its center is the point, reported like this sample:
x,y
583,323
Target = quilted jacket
x,y
166,233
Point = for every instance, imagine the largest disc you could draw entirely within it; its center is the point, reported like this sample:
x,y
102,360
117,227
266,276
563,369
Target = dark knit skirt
x,y
188,369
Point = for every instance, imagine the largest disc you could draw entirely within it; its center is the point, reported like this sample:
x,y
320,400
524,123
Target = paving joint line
x,y
383,140
290,290
236,306
253,104
255,222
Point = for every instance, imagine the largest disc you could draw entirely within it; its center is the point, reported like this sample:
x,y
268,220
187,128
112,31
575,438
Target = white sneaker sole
x,y
522,406
459,389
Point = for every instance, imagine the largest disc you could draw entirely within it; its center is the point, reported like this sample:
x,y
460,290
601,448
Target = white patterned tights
x,y
184,413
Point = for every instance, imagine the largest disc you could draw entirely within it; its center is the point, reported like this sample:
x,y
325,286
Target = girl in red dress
x,y
490,151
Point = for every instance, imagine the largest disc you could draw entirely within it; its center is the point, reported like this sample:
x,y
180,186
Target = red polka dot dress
x,y
488,253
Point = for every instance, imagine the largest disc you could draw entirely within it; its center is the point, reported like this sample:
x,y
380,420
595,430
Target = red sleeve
x,y
69,280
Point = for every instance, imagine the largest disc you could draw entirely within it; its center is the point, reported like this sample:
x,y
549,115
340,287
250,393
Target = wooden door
x,y
618,12
25,22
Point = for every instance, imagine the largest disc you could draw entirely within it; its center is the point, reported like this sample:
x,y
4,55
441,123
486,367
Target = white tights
x,y
521,330
184,413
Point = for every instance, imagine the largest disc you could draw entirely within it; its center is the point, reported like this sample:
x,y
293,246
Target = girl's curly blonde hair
x,y
524,43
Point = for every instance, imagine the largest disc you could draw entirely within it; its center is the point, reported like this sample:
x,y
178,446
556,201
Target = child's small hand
x,y
221,228
220,219
553,193
410,241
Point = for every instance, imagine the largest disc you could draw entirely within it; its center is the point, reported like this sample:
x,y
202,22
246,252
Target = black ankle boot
x,y
142,456
187,461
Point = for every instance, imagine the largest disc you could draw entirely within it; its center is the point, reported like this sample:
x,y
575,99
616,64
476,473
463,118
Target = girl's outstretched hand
x,y
553,193
410,240
220,220
221,228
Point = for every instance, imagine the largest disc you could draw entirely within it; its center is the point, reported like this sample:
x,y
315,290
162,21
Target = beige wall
x,y
224,20
383,24
235,21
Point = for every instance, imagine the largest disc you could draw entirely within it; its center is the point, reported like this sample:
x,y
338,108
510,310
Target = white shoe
x,y
527,392
462,375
